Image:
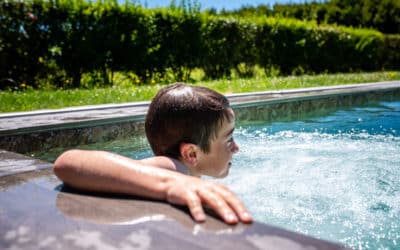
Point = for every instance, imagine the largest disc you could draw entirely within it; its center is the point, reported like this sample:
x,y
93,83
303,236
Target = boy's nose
x,y
235,148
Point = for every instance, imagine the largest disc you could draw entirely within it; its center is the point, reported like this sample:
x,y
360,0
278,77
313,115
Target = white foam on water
x,y
341,187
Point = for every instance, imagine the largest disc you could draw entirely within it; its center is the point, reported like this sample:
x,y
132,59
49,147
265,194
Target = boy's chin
x,y
224,173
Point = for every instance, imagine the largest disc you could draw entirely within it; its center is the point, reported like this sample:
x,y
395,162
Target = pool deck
x,y
38,212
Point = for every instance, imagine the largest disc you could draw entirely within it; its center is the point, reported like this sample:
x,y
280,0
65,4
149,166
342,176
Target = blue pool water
x,y
334,177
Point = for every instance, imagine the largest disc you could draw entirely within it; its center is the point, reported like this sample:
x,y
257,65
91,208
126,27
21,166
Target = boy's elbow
x,y
64,163
58,166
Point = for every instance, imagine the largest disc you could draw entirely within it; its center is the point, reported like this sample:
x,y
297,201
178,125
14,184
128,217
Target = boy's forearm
x,y
106,172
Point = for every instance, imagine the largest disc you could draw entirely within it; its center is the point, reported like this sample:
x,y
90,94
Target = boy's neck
x,y
181,167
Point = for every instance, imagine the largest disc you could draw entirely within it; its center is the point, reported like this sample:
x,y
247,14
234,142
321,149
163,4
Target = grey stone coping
x,y
38,212
47,120
272,97
13,163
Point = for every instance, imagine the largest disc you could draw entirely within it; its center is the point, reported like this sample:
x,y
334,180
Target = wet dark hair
x,y
181,113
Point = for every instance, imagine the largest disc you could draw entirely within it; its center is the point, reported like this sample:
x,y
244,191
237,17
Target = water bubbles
x,y
380,206
335,178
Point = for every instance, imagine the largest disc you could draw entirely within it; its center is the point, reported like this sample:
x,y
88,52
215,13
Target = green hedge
x,y
59,41
382,15
391,53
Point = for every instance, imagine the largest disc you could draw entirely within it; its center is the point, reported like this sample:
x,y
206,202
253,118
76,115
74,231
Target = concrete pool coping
x,y
38,212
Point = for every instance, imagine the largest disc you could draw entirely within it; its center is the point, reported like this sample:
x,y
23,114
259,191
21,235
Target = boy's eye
x,y
231,143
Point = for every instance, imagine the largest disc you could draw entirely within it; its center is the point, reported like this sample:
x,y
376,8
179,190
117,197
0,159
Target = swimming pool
x,y
333,176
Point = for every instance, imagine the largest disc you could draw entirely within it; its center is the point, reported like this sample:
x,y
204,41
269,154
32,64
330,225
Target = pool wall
x,y
26,132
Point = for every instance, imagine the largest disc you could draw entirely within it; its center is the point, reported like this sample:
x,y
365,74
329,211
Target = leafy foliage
x,y
382,15
61,42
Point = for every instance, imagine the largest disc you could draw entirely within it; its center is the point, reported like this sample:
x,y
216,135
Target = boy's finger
x,y
195,207
236,205
219,205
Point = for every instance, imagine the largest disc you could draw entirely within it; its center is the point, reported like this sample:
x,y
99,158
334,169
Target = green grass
x,y
13,101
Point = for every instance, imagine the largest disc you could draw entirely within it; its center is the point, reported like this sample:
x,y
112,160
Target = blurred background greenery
x,y
54,45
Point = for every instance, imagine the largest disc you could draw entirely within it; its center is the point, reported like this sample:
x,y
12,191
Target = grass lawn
x,y
27,100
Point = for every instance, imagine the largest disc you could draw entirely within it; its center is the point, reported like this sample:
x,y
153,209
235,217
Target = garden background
x,y
60,44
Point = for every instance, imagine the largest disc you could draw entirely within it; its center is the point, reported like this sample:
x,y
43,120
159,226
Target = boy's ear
x,y
189,153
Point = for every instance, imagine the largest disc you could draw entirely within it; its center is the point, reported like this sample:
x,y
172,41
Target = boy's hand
x,y
194,192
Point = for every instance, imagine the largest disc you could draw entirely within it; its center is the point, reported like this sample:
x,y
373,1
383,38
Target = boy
x,y
189,130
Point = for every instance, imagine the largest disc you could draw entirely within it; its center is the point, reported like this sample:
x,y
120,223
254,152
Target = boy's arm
x,y
107,172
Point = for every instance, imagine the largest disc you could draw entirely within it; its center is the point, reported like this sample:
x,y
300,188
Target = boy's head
x,y
181,114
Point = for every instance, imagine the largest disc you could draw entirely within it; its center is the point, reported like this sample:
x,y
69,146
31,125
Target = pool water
x,y
334,177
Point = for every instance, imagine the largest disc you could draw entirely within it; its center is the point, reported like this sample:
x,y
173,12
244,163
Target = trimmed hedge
x,y
59,41
382,15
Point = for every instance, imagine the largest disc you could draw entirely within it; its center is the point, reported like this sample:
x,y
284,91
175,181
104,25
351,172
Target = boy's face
x,y
217,161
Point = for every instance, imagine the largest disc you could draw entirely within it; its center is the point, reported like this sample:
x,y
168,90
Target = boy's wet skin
x,y
217,162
